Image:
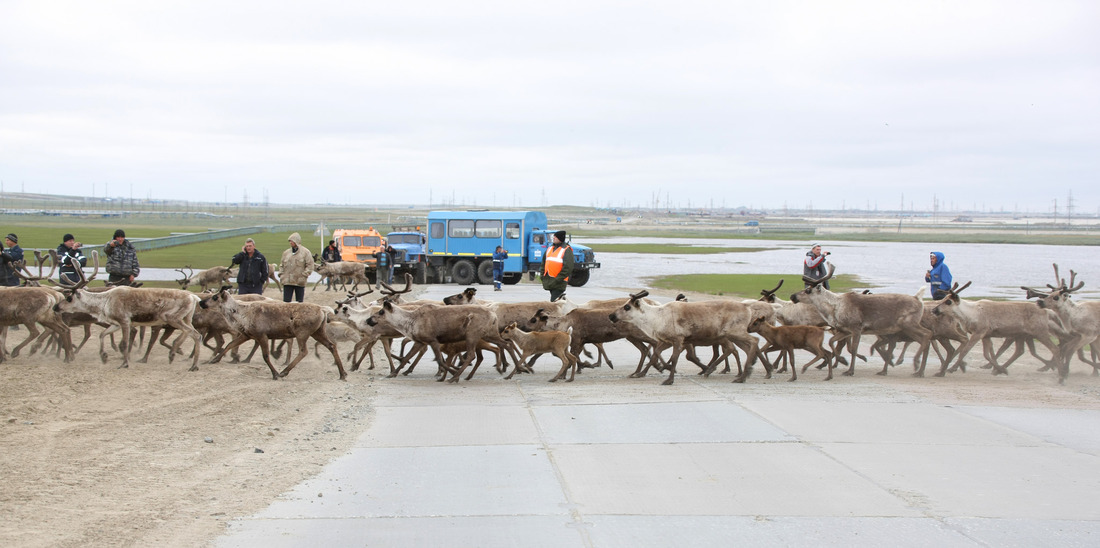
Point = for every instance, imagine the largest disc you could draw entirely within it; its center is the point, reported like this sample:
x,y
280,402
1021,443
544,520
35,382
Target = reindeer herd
x,y
460,330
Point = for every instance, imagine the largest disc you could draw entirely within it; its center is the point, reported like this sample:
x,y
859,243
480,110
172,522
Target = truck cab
x,y
409,244
358,245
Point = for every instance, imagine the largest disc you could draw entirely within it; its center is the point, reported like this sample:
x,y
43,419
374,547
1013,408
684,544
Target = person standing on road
x,y
557,266
939,277
331,254
70,257
10,278
384,270
253,271
814,265
498,267
122,261
295,268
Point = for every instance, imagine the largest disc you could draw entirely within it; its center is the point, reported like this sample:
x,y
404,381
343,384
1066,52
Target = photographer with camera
x,y
814,265
122,261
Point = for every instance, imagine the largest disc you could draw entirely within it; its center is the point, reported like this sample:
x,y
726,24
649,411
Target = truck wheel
x,y
485,272
579,278
463,272
421,274
512,279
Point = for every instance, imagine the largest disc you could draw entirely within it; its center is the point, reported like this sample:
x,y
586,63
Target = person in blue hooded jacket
x,y
939,276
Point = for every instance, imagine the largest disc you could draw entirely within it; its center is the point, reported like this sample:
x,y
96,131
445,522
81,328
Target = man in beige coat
x,y
295,268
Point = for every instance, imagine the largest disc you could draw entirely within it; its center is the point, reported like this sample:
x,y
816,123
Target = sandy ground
x,y
96,455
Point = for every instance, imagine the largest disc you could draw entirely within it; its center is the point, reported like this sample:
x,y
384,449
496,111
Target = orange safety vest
x,y
554,261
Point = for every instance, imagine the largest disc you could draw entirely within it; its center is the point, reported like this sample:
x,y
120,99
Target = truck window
x,y
511,231
437,230
487,229
349,241
537,238
460,229
372,241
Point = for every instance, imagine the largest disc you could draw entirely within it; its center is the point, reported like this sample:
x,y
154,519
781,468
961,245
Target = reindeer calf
x,y
540,342
788,338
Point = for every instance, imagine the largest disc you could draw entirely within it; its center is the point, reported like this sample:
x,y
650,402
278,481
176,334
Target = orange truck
x,y
359,245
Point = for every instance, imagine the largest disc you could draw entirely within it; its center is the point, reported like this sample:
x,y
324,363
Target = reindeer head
x,y
216,299
540,316
951,301
508,330
814,287
465,297
186,281
1059,294
769,296
71,291
387,308
630,308
755,324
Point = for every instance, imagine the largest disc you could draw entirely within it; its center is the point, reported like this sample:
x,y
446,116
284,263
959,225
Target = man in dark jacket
x,y
9,277
331,254
122,261
68,253
253,269
557,266
384,272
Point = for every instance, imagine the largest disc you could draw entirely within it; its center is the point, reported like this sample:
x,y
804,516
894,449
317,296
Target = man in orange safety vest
x,y
557,266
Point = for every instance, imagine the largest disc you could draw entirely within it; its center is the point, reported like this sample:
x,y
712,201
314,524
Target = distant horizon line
x,y
698,210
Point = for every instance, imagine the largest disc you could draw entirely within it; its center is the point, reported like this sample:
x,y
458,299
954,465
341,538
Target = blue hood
x,y
939,257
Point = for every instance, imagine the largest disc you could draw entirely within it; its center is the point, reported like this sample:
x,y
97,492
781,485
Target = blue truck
x,y
458,247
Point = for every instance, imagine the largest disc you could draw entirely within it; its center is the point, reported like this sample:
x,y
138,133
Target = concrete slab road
x,y
608,461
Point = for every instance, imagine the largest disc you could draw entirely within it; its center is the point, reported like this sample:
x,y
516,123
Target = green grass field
x,y
747,286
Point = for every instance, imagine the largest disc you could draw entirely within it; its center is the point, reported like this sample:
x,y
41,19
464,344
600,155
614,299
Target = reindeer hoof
x,y
848,374
103,357
881,373
194,368
555,379
940,374
918,374
667,382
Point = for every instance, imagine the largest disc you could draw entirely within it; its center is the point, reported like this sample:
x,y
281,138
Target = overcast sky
x,y
829,104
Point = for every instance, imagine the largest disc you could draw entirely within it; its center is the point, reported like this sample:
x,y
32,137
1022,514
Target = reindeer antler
x,y
639,295
391,291
955,289
1072,288
772,292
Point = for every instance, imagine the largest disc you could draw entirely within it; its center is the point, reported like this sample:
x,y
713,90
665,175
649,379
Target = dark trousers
x,y
938,295
69,277
115,279
296,291
243,289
